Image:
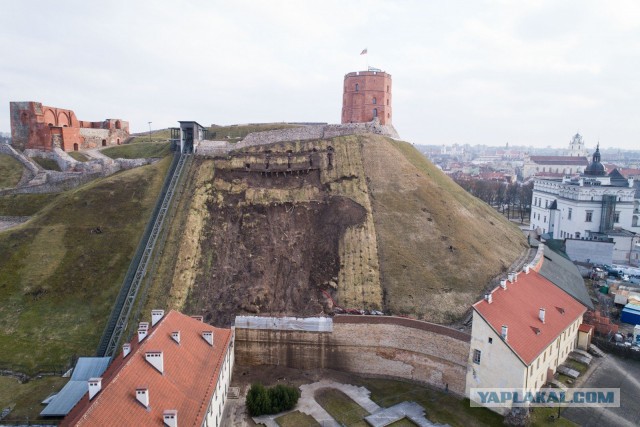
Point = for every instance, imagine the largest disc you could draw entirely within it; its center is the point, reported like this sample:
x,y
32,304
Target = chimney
x,y
144,325
503,284
526,269
176,336
126,349
208,336
142,396
95,385
142,334
198,318
511,277
170,417
155,359
156,315
541,315
489,298
505,331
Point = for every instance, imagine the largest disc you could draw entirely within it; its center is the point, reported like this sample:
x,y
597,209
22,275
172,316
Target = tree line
x,y
513,200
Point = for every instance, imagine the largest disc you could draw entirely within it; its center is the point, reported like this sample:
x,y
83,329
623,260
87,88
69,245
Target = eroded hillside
x,y
275,229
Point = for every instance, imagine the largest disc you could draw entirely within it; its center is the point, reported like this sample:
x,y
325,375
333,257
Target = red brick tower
x,y
367,94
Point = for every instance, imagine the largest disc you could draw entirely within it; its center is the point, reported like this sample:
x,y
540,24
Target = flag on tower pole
x,y
364,51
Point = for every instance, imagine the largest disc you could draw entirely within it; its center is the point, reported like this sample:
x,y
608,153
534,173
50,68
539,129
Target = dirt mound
x,y
364,219
270,258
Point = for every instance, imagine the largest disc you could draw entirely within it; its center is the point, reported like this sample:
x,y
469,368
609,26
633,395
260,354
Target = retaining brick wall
x,y
374,346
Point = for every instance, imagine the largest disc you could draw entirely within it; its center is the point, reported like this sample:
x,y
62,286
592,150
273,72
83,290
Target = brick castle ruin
x,y
36,126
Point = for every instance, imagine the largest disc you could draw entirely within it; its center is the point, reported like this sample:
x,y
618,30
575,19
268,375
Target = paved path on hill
x,y
612,372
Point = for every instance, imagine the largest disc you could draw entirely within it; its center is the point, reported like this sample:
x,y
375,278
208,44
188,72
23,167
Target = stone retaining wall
x,y
302,133
368,345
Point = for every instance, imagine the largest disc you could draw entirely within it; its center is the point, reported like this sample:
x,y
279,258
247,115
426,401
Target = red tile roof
x,y
191,371
560,160
518,307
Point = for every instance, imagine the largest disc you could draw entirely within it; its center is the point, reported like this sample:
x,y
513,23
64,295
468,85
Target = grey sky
x,y
478,72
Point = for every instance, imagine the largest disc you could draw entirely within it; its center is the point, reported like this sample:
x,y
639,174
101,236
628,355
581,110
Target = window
x,y
375,112
357,87
546,204
589,216
569,214
387,101
387,88
374,100
616,216
490,340
545,218
476,356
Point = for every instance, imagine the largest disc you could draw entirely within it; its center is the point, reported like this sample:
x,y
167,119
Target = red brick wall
x,y
33,124
363,92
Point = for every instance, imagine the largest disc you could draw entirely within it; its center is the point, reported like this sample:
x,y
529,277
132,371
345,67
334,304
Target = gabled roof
x,y
518,308
564,274
191,371
560,160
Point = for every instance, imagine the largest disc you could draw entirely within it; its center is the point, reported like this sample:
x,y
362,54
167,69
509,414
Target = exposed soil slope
x,y
363,218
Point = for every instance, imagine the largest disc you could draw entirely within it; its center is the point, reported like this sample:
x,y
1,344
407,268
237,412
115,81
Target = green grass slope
x,y
438,246
58,280
10,171
138,150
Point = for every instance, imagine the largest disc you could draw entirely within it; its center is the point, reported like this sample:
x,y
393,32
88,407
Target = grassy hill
x,y
10,171
380,229
438,245
58,280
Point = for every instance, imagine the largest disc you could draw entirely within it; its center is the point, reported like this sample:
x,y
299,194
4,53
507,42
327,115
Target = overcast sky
x,y
477,72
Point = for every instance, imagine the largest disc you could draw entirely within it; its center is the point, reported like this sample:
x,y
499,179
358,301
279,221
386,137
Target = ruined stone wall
x,y
36,126
368,345
92,138
303,133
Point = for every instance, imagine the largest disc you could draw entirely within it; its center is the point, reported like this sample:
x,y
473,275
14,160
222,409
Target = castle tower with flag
x,y
367,96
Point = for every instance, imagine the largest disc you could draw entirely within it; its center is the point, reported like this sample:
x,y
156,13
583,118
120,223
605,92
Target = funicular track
x,y
121,311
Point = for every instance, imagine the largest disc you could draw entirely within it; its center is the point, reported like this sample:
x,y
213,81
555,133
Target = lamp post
x,y
150,131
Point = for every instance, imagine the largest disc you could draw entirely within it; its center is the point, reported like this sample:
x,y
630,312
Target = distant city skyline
x,y
488,72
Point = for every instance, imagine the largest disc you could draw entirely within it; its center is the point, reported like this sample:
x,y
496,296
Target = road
x,y
613,372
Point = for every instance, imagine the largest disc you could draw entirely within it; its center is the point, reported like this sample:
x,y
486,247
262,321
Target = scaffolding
x,y
607,217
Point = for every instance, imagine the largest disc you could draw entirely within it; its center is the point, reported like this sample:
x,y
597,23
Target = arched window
x,y
375,112
104,142
387,101
375,101
75,147
357,87
387,88
118,124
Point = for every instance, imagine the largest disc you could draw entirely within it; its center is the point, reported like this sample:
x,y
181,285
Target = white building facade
x,y
521,332
579,207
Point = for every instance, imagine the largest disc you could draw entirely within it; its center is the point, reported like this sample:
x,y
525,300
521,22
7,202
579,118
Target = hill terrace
x,y
178,373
